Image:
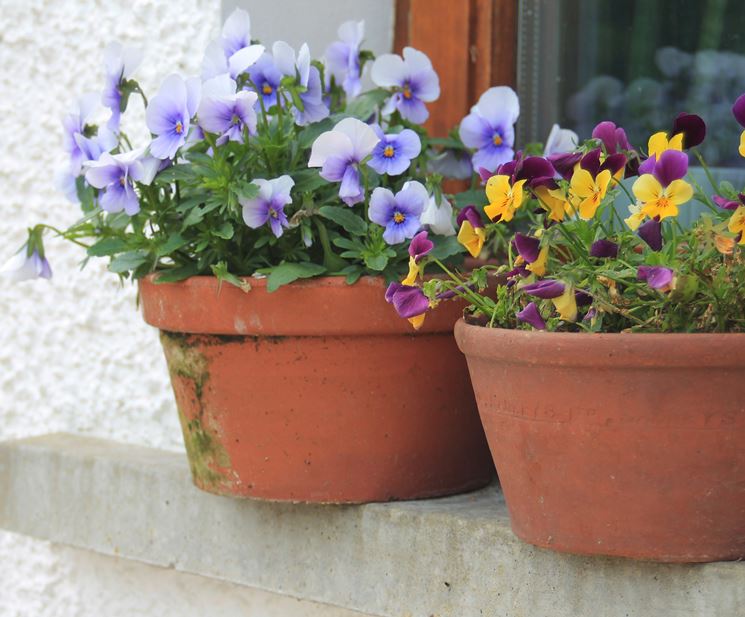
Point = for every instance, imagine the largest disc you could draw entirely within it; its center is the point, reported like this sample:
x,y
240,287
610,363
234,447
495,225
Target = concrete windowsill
x,y
452,557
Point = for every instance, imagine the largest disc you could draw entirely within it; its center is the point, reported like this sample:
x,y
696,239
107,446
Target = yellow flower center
x,y
388,152
663,203
266,89
407,91
398,217
273,213
122,180
179,127
497,139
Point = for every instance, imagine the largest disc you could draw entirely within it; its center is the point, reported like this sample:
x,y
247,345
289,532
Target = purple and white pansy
x,y
269,205
119,64
560,141
226,111
169,114
343,57
394,152
490,128
413,80
265,78
400,213
233,52
26,266
308,77
438,217
115,175
339,153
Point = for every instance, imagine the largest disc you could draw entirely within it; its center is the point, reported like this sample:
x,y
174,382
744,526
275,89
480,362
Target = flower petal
x,y
388,71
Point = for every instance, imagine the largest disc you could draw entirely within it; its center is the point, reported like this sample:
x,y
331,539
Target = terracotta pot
x,y
317,392
616,444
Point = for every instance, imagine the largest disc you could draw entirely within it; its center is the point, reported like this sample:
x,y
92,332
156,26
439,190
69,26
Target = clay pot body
x,y
616,444
317,392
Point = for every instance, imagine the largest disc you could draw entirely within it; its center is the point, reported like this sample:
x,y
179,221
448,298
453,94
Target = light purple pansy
x,y
604,248
339,152
651,233
73,124
489,128
343,57
657,277
408,301
532,316
169,114
413,79
560,141
545,289
269,205
233,52
115,175
399,213
119,64
307,76
24,266
394,152
266,78
225,111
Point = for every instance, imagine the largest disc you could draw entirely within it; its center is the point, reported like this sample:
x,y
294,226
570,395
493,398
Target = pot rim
x,y
318,306
619,350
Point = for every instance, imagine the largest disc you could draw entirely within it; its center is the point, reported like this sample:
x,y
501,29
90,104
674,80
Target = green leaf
x,y
107,246
365,105
128,261
245,190
376,262
174,242
446,247
346,218
472,196
225,231
220,270
308,180
289,272
174,275
352,274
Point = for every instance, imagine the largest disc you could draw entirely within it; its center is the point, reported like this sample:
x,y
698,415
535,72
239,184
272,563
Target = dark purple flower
x,y
651,233
614,138
531,315
738,110
470,214
672,165
729,204
693,128
582,298
398,213
408,301
604,248
545,289
394,152
590,314
614,162
413,79
535,170
489,128
420,245
527,246
657,277
564,164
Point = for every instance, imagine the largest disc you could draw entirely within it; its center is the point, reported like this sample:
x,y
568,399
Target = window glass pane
x,y
640,62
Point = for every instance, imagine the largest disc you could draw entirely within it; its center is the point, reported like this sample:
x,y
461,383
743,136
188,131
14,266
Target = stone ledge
x,y
453,557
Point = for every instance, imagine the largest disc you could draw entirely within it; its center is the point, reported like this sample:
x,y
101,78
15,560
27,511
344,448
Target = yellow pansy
x,y
588,192
538,267
555,202
659,142
659,201
504,198
566,304
737,224
636,217
472,238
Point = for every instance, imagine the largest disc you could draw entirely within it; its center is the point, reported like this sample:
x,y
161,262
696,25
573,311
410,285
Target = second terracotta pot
x,y
317,392
616,444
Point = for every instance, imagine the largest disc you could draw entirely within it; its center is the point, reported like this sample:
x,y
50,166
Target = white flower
x,y
438,218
